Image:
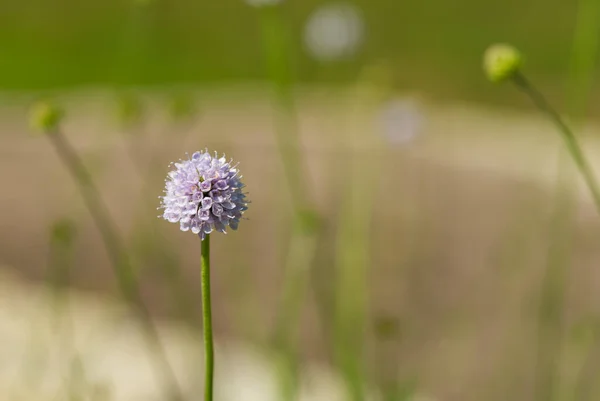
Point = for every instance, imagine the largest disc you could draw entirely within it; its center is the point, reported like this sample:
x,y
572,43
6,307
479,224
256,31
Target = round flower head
x,y
203,194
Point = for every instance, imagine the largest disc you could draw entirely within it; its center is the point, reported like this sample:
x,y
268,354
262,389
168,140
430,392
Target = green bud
x,y
501,62
45,117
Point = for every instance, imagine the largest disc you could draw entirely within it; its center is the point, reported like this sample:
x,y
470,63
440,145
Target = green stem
x,y
584,56
569,137
583,65
552,301
116,251
276,43
302,245
207,319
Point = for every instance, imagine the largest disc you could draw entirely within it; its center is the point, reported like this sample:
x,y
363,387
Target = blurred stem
x,y
587,382
207,318
60,266
299,258
117,253
570,140
350,290
583,58
582,63
352,259
302,246
276,45
550,328
582,68
60,263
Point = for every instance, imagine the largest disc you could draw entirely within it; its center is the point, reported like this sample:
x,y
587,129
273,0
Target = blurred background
x,y
415,232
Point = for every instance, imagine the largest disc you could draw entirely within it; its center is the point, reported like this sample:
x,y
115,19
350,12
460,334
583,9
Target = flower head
x,y
203,194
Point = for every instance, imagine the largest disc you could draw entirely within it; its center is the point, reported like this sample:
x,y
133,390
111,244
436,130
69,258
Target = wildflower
x,y
203,194
501,62
334,31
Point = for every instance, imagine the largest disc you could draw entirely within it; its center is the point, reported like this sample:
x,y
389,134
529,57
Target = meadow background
x,y
444,249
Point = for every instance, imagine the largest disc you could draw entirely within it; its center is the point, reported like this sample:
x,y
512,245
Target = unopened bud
x,y
45,117
501,62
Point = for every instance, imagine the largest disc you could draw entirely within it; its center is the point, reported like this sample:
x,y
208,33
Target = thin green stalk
x,y
570,140
352,261
551,331
117,253
550,316
207,319
351,290
59,270
275,41
583,59
299,258
302,242
552,296
583,63
59,266
586,387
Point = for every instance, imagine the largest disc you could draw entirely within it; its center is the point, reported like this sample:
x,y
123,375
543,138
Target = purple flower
x,y
204,194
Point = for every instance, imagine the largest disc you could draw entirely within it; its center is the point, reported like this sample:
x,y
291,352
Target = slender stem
x,y
551,330
584,56
298,261
276,43
302,244
569,137
552,301
116,251
583,65
207,319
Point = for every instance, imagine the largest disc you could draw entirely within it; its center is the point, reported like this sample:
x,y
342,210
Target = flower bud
x,y
45,117
501,62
